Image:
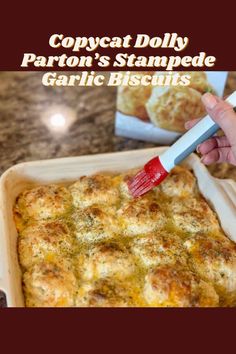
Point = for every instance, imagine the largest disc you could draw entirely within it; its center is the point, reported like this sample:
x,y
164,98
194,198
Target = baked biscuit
x,y
140,216
193,215
43,202
176,286
107,292
179,183
170,107
131,100
159,248
122,180
97,189
106,259
50,285
214,258
94,224
48,241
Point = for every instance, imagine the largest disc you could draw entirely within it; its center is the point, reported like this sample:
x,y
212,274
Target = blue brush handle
x,y
197,140
185,145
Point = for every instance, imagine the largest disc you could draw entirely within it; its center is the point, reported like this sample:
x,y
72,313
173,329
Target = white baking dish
x,y
221,194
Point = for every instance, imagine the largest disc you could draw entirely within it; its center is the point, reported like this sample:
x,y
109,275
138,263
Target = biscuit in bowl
x,y
171,107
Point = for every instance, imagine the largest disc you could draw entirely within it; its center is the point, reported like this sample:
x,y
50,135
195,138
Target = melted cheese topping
x,y
44,202
92,244
48,240
177,286
193,214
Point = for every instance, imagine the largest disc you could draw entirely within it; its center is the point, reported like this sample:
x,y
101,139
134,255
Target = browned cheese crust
x,y
91,244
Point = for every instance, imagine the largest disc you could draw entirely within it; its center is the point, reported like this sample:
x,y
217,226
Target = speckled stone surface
x,y
26,110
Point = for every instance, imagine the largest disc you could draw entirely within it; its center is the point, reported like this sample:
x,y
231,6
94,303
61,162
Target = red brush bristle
x,y
146,179
138,186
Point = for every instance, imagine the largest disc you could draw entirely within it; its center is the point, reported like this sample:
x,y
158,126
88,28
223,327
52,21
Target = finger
x,y
212,143
223,114
189,124
218,155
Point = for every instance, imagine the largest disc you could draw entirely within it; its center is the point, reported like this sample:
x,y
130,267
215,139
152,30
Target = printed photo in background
x,y
158,114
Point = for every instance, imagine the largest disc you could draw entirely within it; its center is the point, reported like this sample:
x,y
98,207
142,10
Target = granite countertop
x,y
25,110
28,131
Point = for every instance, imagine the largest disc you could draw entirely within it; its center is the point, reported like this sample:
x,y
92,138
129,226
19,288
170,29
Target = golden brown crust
x,y
214,259
131,100
50,285
167,107
172,286
92,244
141,215
193,215
159,247
199,81
179,183
43,202
106,259
96,189
107,292
171,107
121,182
94,224
48,241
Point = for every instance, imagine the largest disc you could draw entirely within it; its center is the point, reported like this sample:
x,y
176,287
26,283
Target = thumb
x,y
223,114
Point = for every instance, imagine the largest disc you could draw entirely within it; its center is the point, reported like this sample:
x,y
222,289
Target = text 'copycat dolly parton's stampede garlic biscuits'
x,y
90,244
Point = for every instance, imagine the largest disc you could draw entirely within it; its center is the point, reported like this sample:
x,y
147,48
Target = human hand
x,y
218,148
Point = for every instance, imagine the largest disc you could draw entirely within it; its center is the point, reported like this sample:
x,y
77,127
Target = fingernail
x,y
198,148
209,100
